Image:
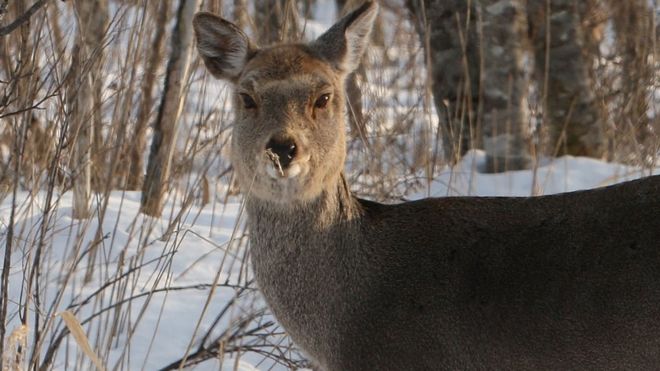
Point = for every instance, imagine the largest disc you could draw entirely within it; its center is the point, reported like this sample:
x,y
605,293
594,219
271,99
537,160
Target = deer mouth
x,y
277,170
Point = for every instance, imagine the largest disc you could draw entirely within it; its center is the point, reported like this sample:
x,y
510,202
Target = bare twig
x,y
6,30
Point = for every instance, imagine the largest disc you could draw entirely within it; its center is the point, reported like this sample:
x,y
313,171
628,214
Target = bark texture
x,y
505,119
96,22
633,22
83,115
171,105
448,32
139,141
572,118
241,17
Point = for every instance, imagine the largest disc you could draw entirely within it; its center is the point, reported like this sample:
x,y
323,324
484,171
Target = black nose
x,y
284,148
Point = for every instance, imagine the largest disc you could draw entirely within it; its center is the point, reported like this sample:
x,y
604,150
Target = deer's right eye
x,y
248,102
322,101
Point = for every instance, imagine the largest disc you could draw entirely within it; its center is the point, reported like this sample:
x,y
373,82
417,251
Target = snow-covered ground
x,y
149,297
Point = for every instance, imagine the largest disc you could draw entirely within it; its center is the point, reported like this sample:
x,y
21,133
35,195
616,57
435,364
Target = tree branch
x,y
6,30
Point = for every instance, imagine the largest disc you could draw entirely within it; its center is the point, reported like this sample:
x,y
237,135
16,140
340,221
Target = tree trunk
x,y
572,118
81,133
139,142
172,103
276,20
505,122
80,94
633,25
96,16
214,6
241,16
448,32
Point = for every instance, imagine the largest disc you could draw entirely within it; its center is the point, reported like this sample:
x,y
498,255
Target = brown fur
x,y
569,281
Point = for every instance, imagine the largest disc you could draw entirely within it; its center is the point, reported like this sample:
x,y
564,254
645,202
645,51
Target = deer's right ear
x,y
223,46
344,43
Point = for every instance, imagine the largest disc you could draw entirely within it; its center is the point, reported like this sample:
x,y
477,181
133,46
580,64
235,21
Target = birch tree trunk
x,y
505,83
572,118
96,19
447,30
80,95
171,105
139,142
81,135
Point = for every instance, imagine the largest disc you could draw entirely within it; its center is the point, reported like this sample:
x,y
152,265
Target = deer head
x,y
288,141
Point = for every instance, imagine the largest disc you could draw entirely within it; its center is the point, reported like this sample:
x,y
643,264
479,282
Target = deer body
x,y
553,282
568,281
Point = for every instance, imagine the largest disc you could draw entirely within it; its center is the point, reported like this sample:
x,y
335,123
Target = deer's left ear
x,y
344,43
224,48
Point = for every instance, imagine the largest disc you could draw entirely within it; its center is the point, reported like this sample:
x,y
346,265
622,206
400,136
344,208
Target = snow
x,y
564,174
188,250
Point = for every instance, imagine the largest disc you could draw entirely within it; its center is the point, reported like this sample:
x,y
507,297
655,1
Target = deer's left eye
x,y
322,101
248,102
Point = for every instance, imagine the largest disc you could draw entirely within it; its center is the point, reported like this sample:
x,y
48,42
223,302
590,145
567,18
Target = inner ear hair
x,y
224,48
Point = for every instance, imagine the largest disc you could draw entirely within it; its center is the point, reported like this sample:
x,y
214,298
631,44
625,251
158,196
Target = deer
x,y
565,281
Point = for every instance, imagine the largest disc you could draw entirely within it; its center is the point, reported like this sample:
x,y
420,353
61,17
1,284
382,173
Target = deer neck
x,y
335,204
299,252
296,247
274,223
